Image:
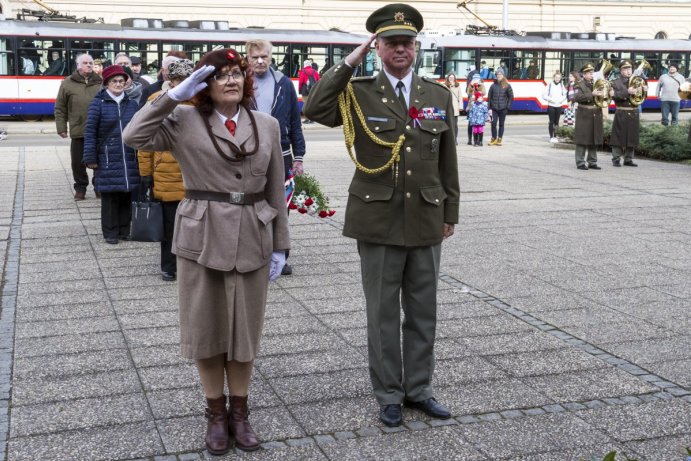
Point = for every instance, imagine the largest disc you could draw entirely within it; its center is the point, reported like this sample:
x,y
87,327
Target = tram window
x,y
103,50
37,57
674,58
581,58
147,51
557,61
652,70
317,54
525,65
370,66
194,51
460,62
615,59
6,61
493,60
278,53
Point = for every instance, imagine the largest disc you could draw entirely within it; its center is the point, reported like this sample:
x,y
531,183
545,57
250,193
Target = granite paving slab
x,y
672,448
546,362
126,441
87,413
311,362
64,311
68,344
71,364
324,387
502,439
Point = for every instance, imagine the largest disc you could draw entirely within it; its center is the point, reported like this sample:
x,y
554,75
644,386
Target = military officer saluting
x,y
626,125
402,203
588,133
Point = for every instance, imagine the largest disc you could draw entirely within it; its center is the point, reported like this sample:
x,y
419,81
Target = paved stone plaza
x,y
563,326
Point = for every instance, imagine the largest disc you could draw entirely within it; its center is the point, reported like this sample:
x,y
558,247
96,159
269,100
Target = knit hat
x,y
180,69
112,71
498,71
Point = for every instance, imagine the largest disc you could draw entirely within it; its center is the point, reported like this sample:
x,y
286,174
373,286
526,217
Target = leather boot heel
x,y
217,440
239,425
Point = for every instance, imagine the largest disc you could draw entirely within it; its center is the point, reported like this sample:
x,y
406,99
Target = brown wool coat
x,y
219,235
588,116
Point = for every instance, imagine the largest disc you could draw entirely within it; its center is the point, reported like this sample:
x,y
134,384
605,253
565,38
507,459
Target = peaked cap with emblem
x,y
624,64
395,19
587,68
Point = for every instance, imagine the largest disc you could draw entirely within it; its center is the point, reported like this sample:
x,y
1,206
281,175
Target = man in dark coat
x,y
401,213
626,124
71,107
588,121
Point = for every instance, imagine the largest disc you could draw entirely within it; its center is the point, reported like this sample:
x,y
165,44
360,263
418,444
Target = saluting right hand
x,y
192,84
355,58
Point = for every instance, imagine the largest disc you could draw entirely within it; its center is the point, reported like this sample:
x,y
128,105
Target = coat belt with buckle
x,y
236,198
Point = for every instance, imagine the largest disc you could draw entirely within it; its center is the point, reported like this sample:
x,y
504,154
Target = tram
x,y
29,78
530,61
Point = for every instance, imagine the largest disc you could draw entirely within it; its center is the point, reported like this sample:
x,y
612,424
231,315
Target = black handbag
x,y
147,219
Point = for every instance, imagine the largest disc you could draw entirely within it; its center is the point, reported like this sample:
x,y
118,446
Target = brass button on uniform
x,y
376,128
407,194
407,127
408,149
366,196
408,172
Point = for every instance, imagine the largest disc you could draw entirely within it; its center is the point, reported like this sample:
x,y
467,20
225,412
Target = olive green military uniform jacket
x,y
588,116
408,209
625,128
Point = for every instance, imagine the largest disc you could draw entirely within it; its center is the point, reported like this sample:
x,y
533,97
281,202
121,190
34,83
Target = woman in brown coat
x,y
231,230
161,172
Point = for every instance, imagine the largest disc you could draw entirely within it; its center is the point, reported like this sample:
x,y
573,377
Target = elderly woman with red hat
x,y
116,171
231,230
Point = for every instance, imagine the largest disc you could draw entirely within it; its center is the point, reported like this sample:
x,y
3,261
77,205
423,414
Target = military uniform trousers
x,y
580,154
396,277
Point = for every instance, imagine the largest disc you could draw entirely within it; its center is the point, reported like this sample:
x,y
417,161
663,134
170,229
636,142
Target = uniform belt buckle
x,y
237,198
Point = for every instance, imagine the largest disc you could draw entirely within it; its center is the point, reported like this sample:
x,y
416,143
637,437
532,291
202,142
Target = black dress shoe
x,y
125,237
168,276
616,163
111,240
594,167
287,270
630,164
430,407
582,167
391,415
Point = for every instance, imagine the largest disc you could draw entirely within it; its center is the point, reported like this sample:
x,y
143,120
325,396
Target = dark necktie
x,y
401,96
230,124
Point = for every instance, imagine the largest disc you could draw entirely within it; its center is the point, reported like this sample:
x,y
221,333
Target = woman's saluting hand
x,y
192,84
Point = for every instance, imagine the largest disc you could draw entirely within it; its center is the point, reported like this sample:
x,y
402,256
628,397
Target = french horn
x,y
605,99
638,83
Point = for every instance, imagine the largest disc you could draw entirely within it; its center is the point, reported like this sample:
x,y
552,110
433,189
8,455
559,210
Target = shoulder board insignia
x,y
433,80
363,78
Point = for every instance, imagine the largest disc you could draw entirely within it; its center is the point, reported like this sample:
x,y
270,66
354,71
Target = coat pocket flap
x,y
434,195
380,124
433,126
266,214
371,192
193,210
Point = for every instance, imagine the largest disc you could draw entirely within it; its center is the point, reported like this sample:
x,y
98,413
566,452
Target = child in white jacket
x,y
555,95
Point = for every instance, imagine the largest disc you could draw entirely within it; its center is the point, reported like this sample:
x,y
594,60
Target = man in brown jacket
x,y
71,107
400,214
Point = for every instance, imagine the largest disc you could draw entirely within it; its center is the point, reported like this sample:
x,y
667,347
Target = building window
x,y
661,36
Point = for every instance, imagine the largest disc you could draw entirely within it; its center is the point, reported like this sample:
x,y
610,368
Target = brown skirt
x,y
221,312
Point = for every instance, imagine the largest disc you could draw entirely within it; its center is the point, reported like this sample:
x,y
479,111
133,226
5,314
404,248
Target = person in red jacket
x,y
308,78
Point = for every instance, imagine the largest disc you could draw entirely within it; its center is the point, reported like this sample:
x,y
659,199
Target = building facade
x,y
630,18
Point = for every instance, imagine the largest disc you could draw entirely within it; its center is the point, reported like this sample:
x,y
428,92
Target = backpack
x,y
307,87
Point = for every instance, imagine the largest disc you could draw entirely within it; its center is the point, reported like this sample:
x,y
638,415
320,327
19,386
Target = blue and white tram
x,y
28,48
532,60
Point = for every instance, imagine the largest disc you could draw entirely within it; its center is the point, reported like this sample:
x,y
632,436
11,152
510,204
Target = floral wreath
x,y
310,199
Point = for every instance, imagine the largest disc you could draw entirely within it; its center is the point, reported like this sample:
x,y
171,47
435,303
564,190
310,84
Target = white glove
x,y
278,260
192,84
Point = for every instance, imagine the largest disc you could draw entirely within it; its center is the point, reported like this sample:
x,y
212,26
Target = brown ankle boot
x,y
217,440
239,425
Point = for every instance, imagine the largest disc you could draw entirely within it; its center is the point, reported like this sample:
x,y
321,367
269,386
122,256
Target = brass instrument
x,y
638,83
685,90
603,85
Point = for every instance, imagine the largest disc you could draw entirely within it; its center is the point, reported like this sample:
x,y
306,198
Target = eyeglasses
x,y
224,79
117,81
